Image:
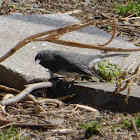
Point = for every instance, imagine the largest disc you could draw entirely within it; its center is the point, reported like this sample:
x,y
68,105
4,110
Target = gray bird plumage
x,y
68,62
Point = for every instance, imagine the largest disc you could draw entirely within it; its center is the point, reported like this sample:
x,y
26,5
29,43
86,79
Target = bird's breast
x,y
69,74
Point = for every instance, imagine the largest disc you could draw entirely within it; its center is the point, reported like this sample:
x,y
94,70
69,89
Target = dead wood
x,y
127,82
36,126
31,125
63,131
43,101
25,92
135,128
84,107
7,89
82,45
66,97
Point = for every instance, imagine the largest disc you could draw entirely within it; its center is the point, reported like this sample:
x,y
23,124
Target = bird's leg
x,y
72,82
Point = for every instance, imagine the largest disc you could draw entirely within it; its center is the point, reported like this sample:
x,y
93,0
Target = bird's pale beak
x,y
37,61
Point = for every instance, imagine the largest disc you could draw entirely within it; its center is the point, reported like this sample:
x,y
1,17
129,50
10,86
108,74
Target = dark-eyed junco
x,y
69,63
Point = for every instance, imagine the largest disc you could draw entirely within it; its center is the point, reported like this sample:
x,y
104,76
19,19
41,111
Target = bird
x,y
70,63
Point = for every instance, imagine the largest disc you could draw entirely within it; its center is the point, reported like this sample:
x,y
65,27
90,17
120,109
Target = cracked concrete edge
x,y
98,95
13,79
110,87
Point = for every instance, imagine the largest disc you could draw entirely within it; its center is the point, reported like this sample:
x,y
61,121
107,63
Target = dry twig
x,y
66,97
25,92
127,82
135,128
37,126
114,32
7,89
91,109
63,131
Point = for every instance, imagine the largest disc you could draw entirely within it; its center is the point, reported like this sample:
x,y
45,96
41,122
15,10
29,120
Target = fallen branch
x,y
66,97
36,126
114,32
6,97
71,12
25,92
128,18
91,109
56,101
127,82
7,89
83,45
30,97
63,131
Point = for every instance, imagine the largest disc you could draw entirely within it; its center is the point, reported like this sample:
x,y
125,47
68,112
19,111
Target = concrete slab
x,y
110,87
15,27
98,95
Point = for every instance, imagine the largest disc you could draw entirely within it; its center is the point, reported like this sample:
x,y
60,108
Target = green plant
x,y
131,7
108,71
91,129
126,124
14,6
117,128
137,122
11,133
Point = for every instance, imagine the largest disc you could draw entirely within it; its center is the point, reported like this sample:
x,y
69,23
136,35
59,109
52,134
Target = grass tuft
x,y
12,133
108,71
130,8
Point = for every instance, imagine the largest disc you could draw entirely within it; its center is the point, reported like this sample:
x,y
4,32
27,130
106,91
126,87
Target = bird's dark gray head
x,y
42,55
45,58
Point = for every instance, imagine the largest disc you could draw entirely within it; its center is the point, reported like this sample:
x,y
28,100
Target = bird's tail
x,y
95,61
116,55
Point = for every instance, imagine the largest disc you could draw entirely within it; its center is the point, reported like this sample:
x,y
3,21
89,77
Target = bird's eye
x,y
40,54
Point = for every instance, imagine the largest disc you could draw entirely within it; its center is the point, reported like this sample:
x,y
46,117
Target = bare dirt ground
x,y
66,121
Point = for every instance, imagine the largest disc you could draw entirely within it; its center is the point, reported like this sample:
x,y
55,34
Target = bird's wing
x,y
84,68
78,62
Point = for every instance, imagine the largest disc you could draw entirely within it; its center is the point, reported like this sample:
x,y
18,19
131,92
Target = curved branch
x,y
25,92
114,32
82,45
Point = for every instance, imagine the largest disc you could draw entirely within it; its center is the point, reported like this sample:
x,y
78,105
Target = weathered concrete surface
x,y
110,87
21,68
